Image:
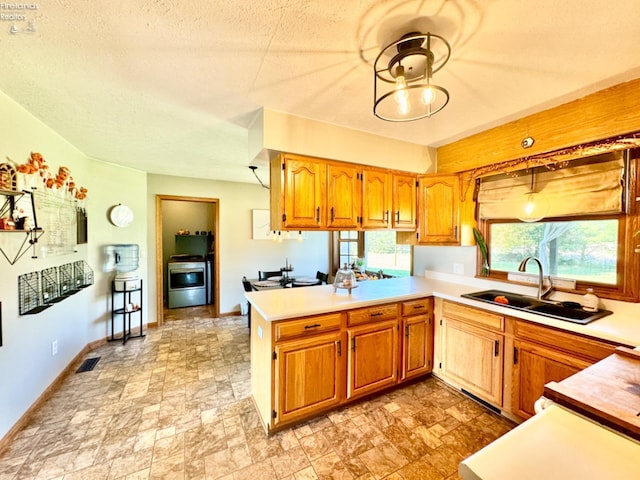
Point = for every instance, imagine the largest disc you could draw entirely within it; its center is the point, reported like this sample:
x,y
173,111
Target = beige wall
x,y
239,254
26,361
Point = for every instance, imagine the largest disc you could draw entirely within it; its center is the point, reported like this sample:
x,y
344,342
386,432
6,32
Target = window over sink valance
x,y
591,186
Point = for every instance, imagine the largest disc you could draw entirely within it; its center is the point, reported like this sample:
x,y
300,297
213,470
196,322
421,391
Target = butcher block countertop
x,y
608,392
623,327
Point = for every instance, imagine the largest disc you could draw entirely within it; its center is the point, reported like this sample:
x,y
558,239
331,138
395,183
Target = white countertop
x,y
279,304
556,444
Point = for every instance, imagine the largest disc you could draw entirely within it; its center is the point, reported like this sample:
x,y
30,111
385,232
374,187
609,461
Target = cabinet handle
x,y
406,331
353,344
515,355
455,232
376,314
332,214
398,216
307,327
317,214
415,307
339,348
386,215
496,348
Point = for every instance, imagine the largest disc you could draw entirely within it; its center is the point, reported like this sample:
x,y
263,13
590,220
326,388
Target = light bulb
x,y
534,208
401,94
428,94
299,235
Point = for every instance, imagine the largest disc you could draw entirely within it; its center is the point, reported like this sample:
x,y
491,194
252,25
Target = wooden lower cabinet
x,y
534,366
473,359
309,376
543,354
306,366
417,338
373,357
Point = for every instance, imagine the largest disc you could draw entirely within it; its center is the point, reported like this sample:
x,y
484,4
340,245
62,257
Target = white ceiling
x,y
170,86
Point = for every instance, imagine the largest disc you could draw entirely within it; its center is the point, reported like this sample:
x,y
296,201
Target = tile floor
x,y
176,405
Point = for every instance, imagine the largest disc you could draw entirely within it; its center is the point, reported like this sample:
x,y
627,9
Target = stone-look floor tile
x,y
227,461
330,466
316,445
306,474
176,404
289,462
383,460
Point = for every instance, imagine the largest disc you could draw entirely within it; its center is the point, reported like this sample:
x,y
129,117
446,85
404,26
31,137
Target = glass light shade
x,y
534,208
345,278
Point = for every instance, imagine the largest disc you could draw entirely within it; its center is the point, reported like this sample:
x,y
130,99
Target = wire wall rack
x,y
67,282
50,286
38,291
29,294
82,274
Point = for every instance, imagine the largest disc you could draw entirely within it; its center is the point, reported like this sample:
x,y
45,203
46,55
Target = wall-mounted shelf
x,y
31,236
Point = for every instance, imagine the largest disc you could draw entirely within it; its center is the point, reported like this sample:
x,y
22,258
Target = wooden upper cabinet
x,y
343,196
376,198
405,202
302,195
439,207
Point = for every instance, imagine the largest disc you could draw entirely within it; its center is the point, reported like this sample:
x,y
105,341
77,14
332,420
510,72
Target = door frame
x,y
159,254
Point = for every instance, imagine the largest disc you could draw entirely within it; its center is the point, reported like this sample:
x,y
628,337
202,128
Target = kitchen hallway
x,y
176,405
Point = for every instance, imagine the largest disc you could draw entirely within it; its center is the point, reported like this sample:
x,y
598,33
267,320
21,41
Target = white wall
x,y
445,260
26,361
239,254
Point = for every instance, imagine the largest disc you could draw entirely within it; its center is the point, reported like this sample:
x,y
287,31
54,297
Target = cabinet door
x,y
376,199
417,345
473,359
309,376
534,366
439,207
405,202
304,193
373,357
343,196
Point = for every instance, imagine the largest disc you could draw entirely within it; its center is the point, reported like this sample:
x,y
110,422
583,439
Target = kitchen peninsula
x,y
313,349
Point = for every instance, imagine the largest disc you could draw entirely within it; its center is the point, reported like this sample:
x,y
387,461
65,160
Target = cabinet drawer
x,y
473,316
307,326
569,342
372,314
416,307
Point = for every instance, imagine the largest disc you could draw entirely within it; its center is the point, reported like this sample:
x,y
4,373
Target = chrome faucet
x,y
547,291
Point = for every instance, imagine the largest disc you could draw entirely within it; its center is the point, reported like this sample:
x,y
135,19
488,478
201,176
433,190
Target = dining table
x,y
282,282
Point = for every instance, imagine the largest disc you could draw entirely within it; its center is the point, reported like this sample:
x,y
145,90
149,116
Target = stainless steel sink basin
x,y
567,311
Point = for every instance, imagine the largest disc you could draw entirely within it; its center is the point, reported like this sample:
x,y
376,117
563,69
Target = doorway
x,y
164,202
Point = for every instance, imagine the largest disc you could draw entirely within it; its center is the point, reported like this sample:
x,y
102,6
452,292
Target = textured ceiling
x,y
170,86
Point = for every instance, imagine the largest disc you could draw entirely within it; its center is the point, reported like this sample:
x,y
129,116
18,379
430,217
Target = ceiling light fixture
x,y
403,72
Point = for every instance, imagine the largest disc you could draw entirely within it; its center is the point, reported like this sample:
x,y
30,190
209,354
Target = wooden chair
x,y
248,288
263,275
323,277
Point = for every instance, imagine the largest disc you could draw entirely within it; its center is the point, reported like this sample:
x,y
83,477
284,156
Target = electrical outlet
x,y
54,348
458,268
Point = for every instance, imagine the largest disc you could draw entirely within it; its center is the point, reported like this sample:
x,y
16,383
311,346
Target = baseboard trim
x,y
47,393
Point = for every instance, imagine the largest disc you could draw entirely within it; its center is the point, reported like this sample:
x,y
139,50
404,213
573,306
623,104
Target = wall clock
x,y
121,215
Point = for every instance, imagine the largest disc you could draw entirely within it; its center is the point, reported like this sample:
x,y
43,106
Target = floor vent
x,y
88,365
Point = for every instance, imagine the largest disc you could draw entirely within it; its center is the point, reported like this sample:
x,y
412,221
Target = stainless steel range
x,y
187,281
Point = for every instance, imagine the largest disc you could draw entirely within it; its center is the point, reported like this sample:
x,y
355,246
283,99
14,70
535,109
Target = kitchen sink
x,y
567,311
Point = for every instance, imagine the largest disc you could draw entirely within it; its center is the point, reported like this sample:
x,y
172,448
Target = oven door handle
x,y
186,270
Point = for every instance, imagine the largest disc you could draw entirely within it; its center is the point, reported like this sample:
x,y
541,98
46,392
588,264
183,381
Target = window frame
x,y
335,246
627,286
